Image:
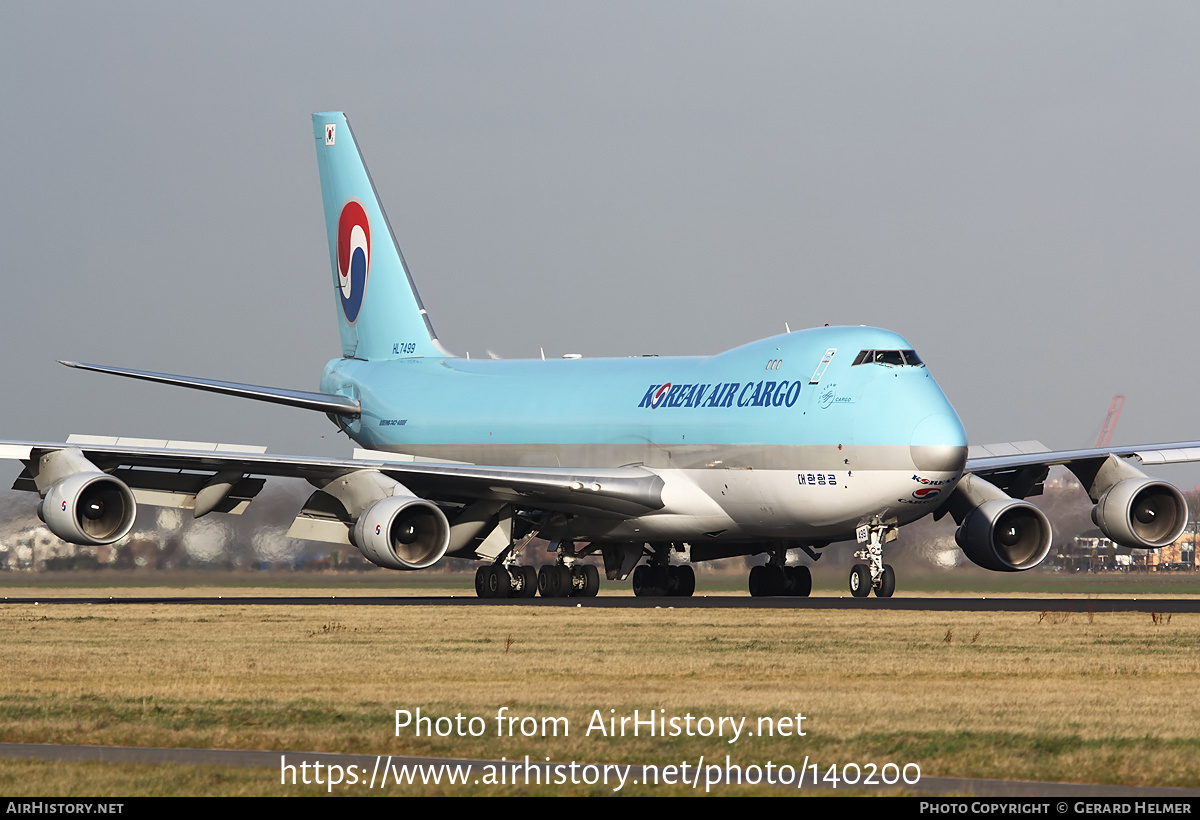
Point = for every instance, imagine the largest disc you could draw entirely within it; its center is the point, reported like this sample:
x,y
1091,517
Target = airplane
x,y
785,446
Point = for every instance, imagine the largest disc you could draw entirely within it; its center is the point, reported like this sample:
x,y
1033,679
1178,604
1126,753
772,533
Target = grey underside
x,y
697,456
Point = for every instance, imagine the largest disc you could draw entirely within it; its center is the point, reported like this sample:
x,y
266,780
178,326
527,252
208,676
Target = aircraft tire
x,y
529,582
591,581
496,579
641,583
548,582
757,585
787,581
480,585
649,582
566,581
685,585
860,581
661,577
887,583
772,581
801,581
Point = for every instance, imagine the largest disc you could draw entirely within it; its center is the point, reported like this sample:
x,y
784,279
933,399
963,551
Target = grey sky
x,y
1012,186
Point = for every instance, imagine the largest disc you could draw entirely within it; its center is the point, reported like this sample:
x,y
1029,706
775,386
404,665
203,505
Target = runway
x,y
1093,605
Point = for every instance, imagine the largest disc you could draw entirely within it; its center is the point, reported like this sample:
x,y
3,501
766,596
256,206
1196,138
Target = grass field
x,y
1108,698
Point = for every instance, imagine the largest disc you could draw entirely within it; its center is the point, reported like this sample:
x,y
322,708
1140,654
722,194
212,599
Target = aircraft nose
x,y
939,443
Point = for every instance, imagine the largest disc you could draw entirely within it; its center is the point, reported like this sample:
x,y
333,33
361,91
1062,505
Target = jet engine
x,y
402,532
1141,513
1006,535
1132,509
995,530
88,508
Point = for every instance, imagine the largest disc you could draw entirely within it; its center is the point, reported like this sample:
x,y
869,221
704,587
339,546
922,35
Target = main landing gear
x,y
568,577
776,578
651,581
661,578
769,580
552,581
561,581
501,581
874,575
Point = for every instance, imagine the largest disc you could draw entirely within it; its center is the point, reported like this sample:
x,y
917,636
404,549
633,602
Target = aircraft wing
x,y
1019,468
155,468
998,457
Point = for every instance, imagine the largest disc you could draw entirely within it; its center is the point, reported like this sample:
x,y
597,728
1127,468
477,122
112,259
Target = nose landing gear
x,y
874,575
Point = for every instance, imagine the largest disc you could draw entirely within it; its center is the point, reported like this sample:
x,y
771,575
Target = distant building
x,y
1093,552
1181,556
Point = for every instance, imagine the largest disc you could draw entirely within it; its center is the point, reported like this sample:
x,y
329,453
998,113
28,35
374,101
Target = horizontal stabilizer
x,y
323,402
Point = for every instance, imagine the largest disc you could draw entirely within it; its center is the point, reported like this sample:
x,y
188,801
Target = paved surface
x,y
1161,605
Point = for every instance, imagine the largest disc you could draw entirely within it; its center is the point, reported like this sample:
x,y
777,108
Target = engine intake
x,y
1141,513
89,508
402,532
1006,535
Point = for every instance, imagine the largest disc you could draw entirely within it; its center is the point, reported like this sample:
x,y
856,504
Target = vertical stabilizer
x,y
379,311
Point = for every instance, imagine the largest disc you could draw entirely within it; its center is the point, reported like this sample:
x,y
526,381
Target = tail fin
x,y
379,311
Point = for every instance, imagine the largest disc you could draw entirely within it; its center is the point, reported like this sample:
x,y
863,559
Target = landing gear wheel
x,y
492,582
591,581
650,581
529,582
643,581
685,581
499,582
860,581
680,581
801,581
661,578
760,582
768,580
549,582
781,580
566,581
787,581
887,582
671,576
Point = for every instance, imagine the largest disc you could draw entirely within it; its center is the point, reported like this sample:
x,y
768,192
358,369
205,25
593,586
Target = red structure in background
x,y
1110,421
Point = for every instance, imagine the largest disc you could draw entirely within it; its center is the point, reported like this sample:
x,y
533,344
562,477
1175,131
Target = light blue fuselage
x,y
778,455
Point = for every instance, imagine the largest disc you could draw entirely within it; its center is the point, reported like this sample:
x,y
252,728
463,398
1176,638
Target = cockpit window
x,y
896,358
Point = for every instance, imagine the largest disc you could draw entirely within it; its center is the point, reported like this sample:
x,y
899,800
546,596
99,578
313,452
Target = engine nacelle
x,y
1141,513
1006,535
89,508
402,532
